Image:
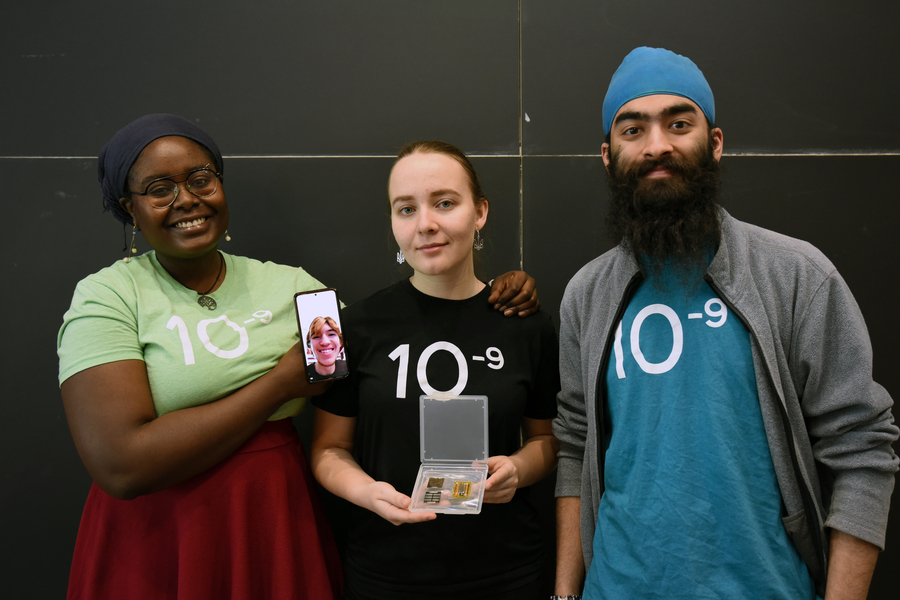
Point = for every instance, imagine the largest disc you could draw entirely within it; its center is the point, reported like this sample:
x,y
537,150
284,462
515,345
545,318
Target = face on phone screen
x,y
318,314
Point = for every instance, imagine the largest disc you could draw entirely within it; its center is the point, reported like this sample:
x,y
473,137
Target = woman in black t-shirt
x,y
436,332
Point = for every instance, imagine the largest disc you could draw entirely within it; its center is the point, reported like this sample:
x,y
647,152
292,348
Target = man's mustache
x,y
670,164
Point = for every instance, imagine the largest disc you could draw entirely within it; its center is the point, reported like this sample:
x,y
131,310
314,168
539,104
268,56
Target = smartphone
x,y
319,319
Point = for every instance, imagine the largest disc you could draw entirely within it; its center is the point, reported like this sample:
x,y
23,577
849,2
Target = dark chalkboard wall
x,y
308,101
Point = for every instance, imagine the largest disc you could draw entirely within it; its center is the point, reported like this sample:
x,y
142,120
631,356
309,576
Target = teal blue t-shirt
x,y
691,507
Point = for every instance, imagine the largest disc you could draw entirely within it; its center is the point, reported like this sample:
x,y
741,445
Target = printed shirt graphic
x,y
691,507
136,310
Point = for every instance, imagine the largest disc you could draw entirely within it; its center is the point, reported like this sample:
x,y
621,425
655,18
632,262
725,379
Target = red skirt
x,y
249,528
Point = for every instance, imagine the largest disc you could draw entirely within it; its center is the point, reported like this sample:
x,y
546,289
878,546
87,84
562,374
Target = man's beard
x,y
672,220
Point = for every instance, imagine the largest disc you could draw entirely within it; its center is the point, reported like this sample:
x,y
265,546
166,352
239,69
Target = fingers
x,y
529,307
399,517
501,476
291,372
499,496
515,293
501,485
393,506
518,304
508,286
499,469
498,287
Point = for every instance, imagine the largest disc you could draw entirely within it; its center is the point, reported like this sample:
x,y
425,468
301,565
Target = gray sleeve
x,y
570,424
848,415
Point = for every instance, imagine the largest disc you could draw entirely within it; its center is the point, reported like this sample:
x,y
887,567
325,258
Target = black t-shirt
x,y
402,343
340,368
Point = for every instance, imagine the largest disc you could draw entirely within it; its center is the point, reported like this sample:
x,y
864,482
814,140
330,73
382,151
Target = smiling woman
x,y
179,372
187,226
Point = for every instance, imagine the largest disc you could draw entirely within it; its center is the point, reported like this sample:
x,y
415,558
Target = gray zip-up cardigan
x,y
828,424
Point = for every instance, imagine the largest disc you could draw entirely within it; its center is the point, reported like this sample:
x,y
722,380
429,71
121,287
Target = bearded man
x,y
721,435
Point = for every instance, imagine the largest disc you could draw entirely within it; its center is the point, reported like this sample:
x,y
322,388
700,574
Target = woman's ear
x,y
128,206
481,213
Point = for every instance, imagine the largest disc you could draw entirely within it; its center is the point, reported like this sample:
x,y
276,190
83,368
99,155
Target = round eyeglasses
x,y
162,192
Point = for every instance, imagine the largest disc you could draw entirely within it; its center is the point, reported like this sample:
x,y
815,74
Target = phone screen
x,y
319,319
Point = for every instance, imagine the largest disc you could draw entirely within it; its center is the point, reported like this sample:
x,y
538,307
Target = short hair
x,y
438,147
316,326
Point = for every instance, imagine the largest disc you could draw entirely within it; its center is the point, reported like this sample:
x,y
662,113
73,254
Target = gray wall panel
x,y
787,76
278,77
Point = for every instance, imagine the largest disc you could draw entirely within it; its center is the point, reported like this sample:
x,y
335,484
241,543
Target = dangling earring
x,y
227,237
400,258
479,243
133,247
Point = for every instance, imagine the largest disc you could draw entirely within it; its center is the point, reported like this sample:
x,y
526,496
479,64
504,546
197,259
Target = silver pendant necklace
x,y
207,301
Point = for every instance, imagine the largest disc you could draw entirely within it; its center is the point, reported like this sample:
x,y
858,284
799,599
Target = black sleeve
x,y
541,402
341,398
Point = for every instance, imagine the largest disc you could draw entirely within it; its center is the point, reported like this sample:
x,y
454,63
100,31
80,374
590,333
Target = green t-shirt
x,y
136,310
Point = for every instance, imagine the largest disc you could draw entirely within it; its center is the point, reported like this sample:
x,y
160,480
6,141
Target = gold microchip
x,y
435,482
461,489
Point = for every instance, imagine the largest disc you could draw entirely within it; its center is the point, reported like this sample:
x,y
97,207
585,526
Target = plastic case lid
x,y
453,428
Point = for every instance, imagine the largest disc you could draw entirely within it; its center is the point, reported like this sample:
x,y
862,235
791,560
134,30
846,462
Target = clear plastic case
x,y
453,432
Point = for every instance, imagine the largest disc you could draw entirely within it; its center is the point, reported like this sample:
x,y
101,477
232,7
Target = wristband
x,y
569,597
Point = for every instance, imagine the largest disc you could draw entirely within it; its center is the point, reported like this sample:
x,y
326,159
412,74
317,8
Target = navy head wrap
x,y
649,71
120,153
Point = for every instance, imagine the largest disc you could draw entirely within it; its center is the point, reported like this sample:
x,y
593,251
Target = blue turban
x,y
119,153
648,71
